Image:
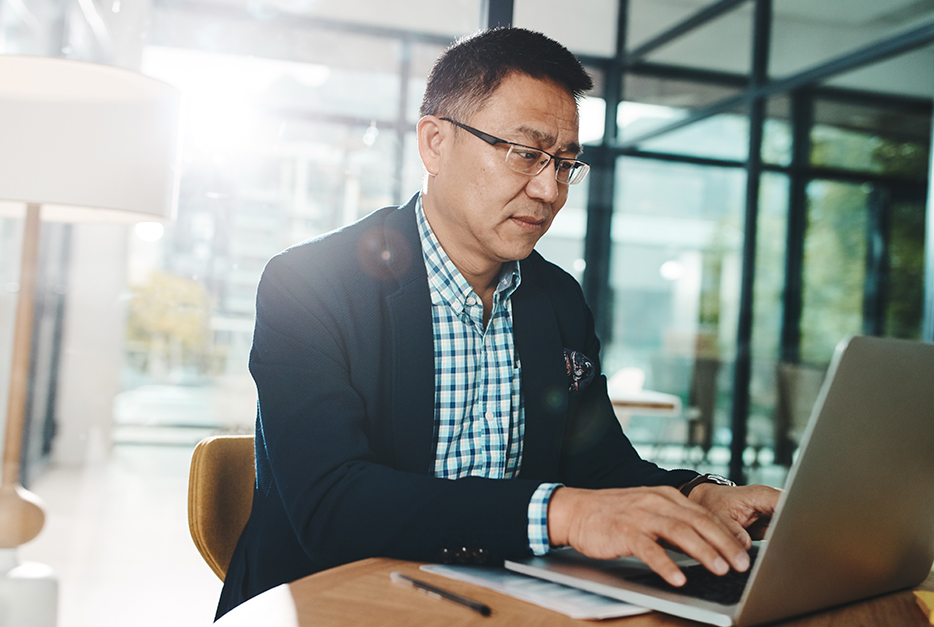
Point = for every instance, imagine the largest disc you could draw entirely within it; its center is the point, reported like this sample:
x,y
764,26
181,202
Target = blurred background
x,y
760,185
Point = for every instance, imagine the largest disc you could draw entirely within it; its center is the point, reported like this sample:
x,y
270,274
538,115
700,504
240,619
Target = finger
x,y
654,556
712,540
691,542
740,532
757,529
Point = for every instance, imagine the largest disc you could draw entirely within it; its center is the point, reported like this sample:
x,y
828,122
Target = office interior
x,y
760,189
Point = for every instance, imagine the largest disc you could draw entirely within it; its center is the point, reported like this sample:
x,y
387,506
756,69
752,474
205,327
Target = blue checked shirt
x,y
479,412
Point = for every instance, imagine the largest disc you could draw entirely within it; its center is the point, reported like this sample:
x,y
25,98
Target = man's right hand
x,y
624,522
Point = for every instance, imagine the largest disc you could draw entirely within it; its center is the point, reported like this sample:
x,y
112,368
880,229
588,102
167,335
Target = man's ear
x,y
430,136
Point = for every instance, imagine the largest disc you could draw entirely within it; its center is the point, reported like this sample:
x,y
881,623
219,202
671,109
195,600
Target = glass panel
x,y
723,136
451,17
255,180
563,244
593,110
652,102
292,28
35,27
905,301
584,31
650,18
834,267
905,75
768,290
776,132
423,57
676,262
702,47
412,170
234,84
892,139
806,33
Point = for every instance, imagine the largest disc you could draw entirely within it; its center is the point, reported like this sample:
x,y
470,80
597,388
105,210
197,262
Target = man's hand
x,y
745,510
613,523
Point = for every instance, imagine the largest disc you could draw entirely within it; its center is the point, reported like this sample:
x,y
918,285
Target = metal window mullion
x,y
742,367
802,120
498,13
875,283
598,239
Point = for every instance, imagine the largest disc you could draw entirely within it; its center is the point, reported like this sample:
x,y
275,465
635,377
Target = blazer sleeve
x,y
321,431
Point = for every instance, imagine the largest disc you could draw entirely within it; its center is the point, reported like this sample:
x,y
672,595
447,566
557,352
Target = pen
x,y
440,593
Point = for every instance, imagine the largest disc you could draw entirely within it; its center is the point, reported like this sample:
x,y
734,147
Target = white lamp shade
x,y
88,142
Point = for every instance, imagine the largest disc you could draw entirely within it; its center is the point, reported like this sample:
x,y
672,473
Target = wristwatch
x,y
708,478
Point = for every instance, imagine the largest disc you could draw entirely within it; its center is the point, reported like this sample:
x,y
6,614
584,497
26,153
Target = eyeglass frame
x,y
493,141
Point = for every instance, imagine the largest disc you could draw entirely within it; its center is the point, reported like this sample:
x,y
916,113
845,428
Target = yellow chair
x,y
220,494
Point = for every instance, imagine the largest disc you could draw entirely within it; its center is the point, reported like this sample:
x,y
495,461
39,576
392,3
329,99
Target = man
x,y
429,386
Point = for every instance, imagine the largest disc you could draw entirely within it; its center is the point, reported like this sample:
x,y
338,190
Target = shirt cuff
x,y
538,517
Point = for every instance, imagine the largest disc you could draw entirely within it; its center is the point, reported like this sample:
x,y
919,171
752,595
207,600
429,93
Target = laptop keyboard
x,y
703,584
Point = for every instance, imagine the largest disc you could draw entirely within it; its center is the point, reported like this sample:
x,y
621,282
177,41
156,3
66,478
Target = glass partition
x,y
677,239
834,267
589,29
805,34
275,151
701,48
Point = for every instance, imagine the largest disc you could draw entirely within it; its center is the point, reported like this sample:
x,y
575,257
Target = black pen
x,y
440,593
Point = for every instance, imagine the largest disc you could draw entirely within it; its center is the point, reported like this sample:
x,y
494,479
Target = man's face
x,y
482,211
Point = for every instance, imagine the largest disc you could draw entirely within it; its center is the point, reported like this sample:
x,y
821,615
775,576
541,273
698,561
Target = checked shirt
x,y
479,413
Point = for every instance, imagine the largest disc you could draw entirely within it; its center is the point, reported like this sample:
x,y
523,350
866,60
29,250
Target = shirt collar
x,y
445,280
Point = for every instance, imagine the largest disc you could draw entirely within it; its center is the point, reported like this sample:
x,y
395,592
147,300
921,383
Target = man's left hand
x,y
746,510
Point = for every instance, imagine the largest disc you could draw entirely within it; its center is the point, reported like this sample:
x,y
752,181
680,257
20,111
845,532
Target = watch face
x,y
720,480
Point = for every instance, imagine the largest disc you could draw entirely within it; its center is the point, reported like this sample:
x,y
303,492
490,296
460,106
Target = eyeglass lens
x,y
531,161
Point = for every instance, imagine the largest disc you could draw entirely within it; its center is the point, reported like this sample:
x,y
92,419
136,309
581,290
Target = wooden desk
x,y
362,594
647,401
628,403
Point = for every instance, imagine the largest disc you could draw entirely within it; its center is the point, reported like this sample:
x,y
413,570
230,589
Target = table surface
x,y
646,399
362,594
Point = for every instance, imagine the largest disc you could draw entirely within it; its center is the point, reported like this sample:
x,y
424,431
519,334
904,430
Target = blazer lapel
x,y
411,346
544,378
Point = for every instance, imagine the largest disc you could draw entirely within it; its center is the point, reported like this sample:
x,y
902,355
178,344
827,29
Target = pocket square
x,y
580,370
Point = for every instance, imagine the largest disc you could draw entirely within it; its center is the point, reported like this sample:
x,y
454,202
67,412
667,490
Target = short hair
x,y
466,74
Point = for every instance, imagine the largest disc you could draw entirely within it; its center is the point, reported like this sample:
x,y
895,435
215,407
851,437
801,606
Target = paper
x,y
926,601
564,599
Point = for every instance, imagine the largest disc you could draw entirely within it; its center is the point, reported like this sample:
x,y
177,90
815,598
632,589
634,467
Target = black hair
x,y
468,72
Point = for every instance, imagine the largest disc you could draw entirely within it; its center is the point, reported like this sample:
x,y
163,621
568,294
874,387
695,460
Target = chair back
x,y
220,494
799,385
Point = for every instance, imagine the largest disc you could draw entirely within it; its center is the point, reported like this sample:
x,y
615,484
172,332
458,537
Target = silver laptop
x,y
856,518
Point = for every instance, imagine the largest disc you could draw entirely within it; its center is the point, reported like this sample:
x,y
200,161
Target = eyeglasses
x,y
532,161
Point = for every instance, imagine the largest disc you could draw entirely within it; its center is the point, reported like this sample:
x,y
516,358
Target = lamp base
x,y
28,592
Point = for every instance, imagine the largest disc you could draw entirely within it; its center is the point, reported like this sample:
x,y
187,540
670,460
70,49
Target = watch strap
x,y
706,478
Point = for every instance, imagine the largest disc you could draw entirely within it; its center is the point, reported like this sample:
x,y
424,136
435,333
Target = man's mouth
x,y
529,223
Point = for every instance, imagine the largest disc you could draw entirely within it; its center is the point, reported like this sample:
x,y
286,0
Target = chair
x,y
220,494
702,402
799,386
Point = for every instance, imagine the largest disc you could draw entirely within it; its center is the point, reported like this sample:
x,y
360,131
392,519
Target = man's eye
x,y
565,166
528,155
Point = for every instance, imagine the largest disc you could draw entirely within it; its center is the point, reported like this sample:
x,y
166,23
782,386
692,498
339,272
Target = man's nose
x,y
544,186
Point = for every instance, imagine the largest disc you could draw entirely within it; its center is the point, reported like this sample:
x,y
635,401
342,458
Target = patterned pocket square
x,y
580,370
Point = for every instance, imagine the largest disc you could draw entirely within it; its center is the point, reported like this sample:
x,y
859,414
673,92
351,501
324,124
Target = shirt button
x,y
489,415
471,301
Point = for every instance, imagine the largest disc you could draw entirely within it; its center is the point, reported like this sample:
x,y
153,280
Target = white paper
x,y
564,599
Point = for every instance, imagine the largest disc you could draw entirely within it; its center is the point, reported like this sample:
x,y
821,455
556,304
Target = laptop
x,y
856,518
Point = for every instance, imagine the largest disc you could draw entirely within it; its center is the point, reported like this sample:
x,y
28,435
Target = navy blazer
x,y
343,360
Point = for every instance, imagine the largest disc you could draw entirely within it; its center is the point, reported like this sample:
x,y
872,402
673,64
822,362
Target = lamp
x,y
78,142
